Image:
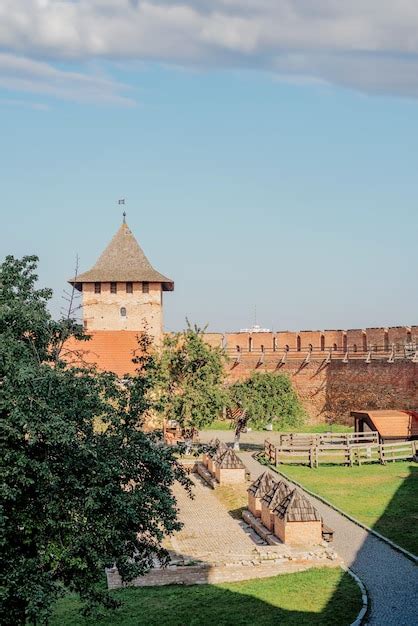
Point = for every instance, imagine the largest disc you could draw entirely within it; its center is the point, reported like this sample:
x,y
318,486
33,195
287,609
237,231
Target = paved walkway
x,y
390,578
209,533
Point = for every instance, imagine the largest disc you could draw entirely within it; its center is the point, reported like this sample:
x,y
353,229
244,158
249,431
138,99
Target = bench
x,y
327,533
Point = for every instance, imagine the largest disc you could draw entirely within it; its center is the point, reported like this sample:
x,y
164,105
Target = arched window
x,y
322,343
345,343
262,348
123,311
364,342
310,347
355,347
250,344
335,347
286,348
298,343
238,349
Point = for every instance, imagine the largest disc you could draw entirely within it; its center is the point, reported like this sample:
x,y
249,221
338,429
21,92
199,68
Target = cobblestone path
x,y
391,579
209,532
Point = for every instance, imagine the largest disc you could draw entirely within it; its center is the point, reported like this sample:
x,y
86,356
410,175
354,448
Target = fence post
x,y
276,462
382,454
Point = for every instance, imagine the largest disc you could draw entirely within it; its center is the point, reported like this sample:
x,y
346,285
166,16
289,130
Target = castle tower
x,y
122,291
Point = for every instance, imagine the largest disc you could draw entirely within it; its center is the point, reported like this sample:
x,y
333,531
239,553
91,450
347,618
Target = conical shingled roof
x,y
262,485
229,460
296,508
123,261
276,494
220,451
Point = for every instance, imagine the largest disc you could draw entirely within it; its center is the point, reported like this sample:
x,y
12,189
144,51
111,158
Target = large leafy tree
x,y
74,498
190,379
266,398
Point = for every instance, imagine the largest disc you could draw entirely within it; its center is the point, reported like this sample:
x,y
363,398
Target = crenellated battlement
x,y
385,342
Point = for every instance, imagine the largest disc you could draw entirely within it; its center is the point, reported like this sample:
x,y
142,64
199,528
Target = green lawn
x,y
384,497
306,428
314,597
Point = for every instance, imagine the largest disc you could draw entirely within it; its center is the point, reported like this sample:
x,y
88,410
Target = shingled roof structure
x,y
122,261
276,494
390,424
262,485
296,508
229,460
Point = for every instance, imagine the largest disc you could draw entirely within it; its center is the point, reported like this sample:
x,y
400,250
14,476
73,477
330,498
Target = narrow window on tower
x,y
113,288
145,287
123,311
129,288
97,287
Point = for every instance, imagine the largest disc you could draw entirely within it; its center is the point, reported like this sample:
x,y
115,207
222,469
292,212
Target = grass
x,y
325,596
384,497
305,428
233,497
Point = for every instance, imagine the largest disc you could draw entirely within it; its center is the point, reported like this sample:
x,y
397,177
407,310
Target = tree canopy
x,y
190,379
74,498
268,398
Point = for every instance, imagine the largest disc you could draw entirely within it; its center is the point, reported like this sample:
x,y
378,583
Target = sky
x,y
267,152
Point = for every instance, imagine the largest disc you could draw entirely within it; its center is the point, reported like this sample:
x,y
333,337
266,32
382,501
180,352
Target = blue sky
x,y
295,194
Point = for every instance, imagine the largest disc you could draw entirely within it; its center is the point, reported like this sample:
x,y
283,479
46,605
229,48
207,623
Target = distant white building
x,y
255,329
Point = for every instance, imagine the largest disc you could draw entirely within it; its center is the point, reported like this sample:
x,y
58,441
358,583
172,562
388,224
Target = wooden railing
x,y
313,439
351,454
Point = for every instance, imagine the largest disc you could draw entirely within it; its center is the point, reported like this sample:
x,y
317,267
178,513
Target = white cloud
x,y
27,104
20,74
370,45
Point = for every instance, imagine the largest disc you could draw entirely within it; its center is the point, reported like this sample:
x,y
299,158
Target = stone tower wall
x,y
102,311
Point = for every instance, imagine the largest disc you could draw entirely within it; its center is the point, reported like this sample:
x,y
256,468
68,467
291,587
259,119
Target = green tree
x,y
74,498
266,398
190,379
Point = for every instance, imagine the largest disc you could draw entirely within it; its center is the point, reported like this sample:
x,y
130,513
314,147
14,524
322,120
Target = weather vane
x,y
122,201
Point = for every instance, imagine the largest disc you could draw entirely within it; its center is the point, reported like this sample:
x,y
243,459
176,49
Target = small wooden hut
x,y
216,455
296,521
270,500
392,425
212,447
259,488
229,469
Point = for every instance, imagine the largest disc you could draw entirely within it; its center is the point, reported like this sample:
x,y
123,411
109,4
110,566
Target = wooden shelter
x,y
216,456
391,425
259,488
270,500
229,469
296,521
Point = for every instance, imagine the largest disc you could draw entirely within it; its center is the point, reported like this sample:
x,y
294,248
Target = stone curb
x,y
392,544
364,597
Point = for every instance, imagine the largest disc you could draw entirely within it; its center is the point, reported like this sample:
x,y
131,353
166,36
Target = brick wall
x,y
267,517
333,390
226,476
254,505
201,574
377,385
298,533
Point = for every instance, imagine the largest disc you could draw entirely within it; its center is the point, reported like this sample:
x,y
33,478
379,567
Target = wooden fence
x,y
350,455
314,439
